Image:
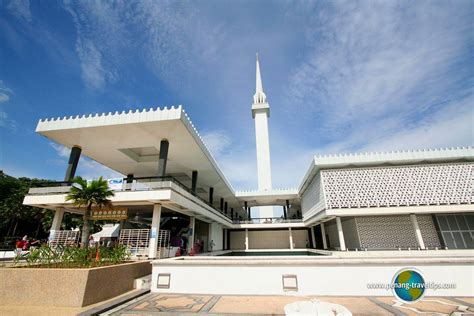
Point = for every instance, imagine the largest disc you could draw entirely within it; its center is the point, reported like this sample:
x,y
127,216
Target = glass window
x,y
452,222
462,222
470,220
458,240
448,239
468,239
443,224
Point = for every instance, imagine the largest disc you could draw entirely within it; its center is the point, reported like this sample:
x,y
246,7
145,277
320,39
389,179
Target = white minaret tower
x,y
261,113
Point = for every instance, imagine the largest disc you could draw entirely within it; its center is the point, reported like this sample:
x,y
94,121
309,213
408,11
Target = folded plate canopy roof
x,y
129,143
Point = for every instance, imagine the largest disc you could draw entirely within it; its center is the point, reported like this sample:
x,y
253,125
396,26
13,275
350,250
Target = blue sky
x,y
340,76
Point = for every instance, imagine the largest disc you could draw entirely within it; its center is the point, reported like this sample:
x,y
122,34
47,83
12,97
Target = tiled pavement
x,y
172,304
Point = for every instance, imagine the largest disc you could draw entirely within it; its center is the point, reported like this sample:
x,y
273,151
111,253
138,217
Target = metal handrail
x,y
138,179
268,220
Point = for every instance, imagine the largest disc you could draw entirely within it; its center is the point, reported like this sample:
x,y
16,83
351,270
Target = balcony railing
x,y
134,184
268,220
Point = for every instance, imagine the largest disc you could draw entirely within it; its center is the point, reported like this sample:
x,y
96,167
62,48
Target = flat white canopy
x,y
129,143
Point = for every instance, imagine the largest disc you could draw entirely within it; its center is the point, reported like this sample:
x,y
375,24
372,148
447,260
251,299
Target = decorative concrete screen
x,y
64,238
432,184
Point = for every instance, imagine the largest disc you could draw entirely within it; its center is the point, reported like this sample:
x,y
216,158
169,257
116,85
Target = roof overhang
x,y
129,143
269,197
394,158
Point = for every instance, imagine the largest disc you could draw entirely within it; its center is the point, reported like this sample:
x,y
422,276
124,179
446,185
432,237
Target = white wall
x,y
215,233
351,237
313,195
268,239
319,279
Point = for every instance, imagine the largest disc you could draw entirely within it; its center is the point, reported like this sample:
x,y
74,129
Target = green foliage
x,y
17,219
88,194
73,257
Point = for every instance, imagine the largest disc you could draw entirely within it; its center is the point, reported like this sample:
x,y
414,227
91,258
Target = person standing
x,y
211,245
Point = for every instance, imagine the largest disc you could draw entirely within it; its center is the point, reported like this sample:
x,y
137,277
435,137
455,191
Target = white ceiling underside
x,y
129,143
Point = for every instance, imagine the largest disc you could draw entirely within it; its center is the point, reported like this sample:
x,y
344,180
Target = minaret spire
x,y
261,114
259,97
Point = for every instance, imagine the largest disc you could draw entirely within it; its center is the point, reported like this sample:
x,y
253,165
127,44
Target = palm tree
x,y
96,192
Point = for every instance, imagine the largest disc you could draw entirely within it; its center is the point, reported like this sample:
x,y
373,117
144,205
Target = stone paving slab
x,y
187,304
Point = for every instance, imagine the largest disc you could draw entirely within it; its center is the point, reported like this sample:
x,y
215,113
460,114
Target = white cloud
x,y
5,92
61,150
4,97
20,9
216,141
373,62
167,37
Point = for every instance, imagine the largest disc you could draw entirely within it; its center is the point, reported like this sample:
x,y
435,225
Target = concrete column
x,y
192,223
56,225
313,237
128,182
246,239
231,213
323,233
154,232
72,164
291,237
419,237
225,208
163,157
287,208
285,216
211,195
340,233
194,182
222,205
224,239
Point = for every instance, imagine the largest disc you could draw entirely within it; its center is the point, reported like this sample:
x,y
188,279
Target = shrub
x,y
73,257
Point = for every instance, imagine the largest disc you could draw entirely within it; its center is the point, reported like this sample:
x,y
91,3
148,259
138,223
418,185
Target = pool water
x,y
268,253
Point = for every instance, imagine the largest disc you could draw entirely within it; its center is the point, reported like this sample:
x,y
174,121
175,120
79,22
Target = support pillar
x,y
232,213
163,157
287,208
56,225
290,233
154,232
211,195
72,164
128,182
313,237
194,182
192,223
222,205
225,208
323,233
340,233
419,237
285,216
246,239
224,239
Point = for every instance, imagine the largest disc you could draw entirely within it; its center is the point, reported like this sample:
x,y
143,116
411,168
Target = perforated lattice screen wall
x,y
428,231
385,232
399,186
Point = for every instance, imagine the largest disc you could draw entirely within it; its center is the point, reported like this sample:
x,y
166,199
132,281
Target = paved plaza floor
x,y
172,304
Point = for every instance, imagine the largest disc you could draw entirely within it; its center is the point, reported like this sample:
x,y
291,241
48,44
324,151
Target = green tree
x,y
83,194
